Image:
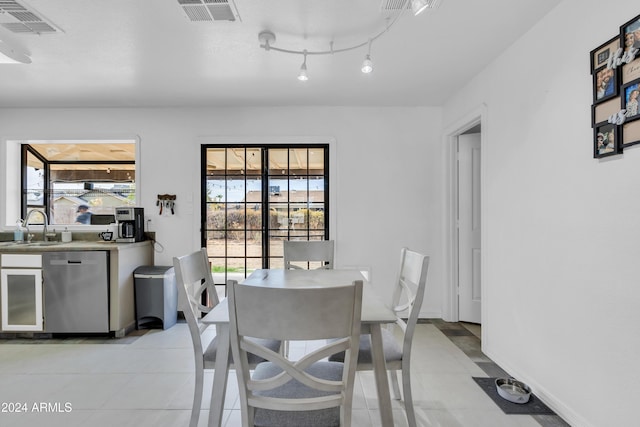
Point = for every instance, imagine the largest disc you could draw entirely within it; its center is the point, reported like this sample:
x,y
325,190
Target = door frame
x,y
450,141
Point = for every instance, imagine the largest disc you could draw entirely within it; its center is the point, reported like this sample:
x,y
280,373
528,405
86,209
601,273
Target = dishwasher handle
x,y
73,262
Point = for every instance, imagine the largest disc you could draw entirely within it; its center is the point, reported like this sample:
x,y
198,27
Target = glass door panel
x,y
257,196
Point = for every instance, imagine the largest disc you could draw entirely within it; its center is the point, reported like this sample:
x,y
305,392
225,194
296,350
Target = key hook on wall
x,y
166,203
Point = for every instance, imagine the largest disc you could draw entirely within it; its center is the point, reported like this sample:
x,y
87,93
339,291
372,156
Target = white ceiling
x,y
126,53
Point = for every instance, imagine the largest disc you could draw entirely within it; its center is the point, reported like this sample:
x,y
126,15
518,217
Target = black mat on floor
x,y
533,407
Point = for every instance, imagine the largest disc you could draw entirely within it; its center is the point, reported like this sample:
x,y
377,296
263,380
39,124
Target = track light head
x,y
419,6
367,64
303,76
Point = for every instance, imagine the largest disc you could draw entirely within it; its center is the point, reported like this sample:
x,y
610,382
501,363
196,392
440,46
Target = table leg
x,y
380,372
220,375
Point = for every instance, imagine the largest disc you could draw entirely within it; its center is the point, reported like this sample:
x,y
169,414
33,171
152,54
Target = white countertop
x,y
76,245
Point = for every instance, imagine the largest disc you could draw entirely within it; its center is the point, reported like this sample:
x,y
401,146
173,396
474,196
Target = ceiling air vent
x,y
395,5
209,10
19,19
392,5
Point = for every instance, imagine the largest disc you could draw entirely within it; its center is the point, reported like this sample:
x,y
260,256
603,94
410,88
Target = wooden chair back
x,y
311,252
193,277
292,387
409,293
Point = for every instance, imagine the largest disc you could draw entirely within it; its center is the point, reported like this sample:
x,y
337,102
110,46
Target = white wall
x,y
388,171
561,229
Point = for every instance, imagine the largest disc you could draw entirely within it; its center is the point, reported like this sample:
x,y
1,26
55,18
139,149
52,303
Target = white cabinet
x,y
21,292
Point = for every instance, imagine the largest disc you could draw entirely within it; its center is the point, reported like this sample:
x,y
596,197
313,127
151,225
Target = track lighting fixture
x,y
267,38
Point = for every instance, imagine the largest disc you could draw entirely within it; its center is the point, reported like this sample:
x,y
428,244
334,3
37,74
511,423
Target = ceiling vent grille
x,y
393,5
19,19
209,10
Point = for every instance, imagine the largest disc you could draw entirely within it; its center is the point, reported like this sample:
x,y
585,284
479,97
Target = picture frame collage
x,y
615,112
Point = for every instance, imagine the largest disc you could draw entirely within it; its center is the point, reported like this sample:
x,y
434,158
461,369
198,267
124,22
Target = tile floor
x,y
146,379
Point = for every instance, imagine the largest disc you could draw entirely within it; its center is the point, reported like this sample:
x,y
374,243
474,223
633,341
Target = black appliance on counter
x,y
97,219
130,224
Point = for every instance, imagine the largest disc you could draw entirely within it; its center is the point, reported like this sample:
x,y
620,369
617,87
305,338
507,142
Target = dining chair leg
x,y
220,375
408,397
393,377
380,373
345,417
197,394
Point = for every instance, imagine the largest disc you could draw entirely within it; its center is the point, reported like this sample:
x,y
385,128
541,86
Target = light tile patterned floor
x,y
147,380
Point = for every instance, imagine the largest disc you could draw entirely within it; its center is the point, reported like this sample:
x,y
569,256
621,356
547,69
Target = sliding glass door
x,y
256,196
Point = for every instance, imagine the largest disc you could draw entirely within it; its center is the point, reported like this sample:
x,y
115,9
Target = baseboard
x,y
430,315
563,411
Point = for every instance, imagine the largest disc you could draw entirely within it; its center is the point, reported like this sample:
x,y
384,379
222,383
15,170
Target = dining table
x,y
375,313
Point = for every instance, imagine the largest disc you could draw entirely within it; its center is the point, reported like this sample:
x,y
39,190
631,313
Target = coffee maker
x,y
130,224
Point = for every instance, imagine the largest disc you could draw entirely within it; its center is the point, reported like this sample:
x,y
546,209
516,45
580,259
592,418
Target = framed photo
x,y
601,112
606,140
630,134
605,84
630,34
601,54
631,71
630,97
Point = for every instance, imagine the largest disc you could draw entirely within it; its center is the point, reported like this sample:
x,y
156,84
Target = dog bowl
x,y
513,390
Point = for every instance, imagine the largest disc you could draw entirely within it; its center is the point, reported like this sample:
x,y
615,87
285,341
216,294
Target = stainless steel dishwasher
x,y
76,292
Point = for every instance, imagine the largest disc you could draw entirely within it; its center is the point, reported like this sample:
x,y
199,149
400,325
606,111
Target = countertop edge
x,y
78,245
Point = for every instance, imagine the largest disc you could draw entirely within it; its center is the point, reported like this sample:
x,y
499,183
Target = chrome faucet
x,y
29,236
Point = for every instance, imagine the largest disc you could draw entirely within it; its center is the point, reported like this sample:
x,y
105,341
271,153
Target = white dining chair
x,y
309,253
407,298
309,391
193,279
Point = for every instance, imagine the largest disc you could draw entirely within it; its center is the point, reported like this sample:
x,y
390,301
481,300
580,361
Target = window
x,y
256,196
65,179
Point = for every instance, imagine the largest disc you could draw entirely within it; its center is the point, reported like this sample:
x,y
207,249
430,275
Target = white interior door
x,y
469,251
